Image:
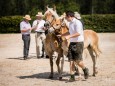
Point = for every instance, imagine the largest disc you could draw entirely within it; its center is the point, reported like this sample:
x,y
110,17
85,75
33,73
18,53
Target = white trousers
x,y
40,40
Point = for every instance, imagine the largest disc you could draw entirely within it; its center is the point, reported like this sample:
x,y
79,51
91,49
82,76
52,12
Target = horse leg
x,y
97,54
90,49
77,72
62,64
51,66
58,67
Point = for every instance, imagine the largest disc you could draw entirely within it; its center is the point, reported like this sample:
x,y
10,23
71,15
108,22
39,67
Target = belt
x,y
75,42
26,34
40,32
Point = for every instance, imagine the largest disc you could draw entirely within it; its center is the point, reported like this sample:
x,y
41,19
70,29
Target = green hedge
x,y
10,24
98,23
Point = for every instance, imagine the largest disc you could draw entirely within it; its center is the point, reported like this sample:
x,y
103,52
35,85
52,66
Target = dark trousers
x,y
75,51
26,40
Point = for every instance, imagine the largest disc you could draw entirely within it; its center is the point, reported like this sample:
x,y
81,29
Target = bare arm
x,y
72,36
65,34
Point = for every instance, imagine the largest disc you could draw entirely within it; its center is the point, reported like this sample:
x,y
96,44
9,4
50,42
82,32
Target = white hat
x,y
40,14
63,15
27,17
77,15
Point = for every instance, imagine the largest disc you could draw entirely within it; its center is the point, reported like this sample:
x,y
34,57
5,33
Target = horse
x,y
52,45
90,37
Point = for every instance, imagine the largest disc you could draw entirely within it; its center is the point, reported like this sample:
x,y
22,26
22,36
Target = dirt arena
x,y
14,71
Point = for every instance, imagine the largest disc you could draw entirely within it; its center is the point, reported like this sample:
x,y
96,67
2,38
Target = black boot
x,y
72,78
47,56
25,57
86,73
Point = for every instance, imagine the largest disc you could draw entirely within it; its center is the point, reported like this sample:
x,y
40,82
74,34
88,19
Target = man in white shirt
x,y
25,28
75,51
38,26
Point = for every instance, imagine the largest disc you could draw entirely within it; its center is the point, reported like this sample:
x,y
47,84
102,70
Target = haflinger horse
x,y
90,37
53,45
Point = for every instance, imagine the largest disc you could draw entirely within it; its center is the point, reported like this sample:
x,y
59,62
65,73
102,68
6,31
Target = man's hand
x,y
59,35
67,37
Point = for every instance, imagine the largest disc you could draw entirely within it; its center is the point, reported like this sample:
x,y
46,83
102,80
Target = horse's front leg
x,y
58,67
62,65
51,66
62,62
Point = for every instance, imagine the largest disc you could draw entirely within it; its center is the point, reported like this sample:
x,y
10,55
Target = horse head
x,y
50,16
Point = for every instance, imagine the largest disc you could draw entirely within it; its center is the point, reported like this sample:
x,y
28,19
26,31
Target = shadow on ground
x,y
44,75
21,58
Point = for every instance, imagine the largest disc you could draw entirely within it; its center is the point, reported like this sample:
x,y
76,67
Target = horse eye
x,y
52,15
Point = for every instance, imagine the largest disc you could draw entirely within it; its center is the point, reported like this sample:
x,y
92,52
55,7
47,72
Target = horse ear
x,y
54,7
61,19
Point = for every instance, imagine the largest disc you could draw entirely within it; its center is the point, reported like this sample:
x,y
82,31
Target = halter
x,y
50,22
61,25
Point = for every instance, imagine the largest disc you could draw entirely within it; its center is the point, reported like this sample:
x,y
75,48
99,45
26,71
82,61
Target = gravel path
x,y
14,71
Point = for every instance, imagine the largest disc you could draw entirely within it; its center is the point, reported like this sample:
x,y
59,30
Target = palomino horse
x,y
52,44
90,42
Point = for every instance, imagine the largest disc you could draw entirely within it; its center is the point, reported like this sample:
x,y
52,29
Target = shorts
x,y
75,51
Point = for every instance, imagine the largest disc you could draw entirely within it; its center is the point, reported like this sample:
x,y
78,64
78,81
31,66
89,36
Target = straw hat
x,y
27,17
77,15
40,14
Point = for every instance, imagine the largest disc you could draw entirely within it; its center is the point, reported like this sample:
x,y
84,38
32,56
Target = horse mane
x,y
54,13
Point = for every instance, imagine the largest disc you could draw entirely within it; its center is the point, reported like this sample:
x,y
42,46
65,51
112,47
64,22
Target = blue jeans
x,y
26,40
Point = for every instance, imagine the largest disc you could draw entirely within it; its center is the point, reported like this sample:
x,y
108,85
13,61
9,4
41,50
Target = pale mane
x,y
54,13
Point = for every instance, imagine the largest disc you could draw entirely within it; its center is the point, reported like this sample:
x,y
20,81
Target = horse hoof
x,y
77,74
60,78
47,56
96,72
94,75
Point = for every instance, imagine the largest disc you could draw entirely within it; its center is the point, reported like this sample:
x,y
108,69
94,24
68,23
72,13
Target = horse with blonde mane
x,y
52,47
91,39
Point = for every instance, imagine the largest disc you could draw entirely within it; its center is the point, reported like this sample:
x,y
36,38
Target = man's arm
x,y
25,30
35,25
65,34
72,36
22,28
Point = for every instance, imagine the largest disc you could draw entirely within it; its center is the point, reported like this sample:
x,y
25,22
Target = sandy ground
x,y
14,71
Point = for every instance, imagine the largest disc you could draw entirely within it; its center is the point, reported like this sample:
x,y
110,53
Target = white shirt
x,y
24,25
40,25
76,26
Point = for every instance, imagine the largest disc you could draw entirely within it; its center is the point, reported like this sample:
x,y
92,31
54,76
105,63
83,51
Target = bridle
x,y
50,22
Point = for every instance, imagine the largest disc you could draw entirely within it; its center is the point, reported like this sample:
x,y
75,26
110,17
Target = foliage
x,y
9,24
22,7
98,23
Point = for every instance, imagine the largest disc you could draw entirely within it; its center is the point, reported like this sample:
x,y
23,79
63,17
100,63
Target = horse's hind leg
x,y
90,49
51,66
